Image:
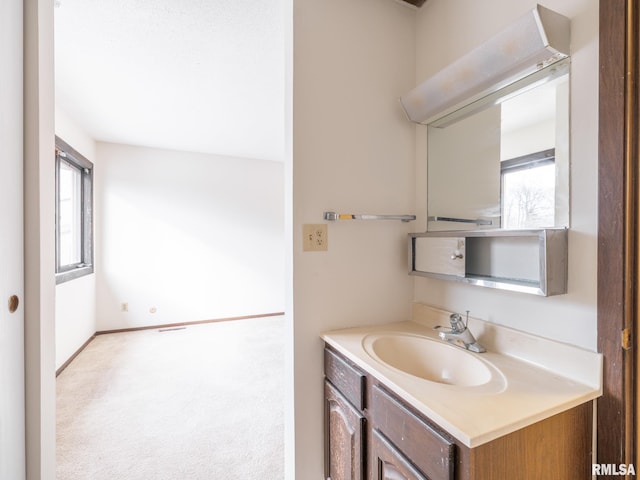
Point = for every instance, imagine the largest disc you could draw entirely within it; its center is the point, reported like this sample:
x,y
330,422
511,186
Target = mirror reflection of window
x,y
528,186
528,180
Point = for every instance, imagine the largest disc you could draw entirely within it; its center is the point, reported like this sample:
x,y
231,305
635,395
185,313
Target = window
x,y
528,190
74,213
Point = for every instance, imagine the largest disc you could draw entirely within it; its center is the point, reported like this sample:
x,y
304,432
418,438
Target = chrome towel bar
x,y
347,216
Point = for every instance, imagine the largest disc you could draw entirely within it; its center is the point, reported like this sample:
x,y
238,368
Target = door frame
x,y
39,244
618,175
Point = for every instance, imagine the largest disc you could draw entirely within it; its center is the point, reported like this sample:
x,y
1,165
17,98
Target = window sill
x,y
63,277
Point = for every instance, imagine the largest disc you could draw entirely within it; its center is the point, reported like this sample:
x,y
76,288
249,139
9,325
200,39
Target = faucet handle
x,y
456,322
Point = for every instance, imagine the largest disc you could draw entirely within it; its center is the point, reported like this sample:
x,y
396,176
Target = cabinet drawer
x,y
427,449
345,377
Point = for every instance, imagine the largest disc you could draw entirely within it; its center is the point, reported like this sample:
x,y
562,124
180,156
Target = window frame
x,y
531,160
64,273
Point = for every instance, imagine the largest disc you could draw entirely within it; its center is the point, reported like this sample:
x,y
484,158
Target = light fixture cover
x,y
534,41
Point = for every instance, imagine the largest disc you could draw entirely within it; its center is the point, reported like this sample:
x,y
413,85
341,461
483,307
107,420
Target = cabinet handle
x,y
456,255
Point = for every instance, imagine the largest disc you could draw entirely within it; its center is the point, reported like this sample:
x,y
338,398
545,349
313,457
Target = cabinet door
x,y
440,255
387,463
428,449
344,434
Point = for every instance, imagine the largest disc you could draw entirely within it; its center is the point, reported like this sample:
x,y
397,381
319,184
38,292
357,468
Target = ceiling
x,y
192,75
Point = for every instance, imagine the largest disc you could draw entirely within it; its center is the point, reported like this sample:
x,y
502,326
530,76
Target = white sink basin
x,y
428,359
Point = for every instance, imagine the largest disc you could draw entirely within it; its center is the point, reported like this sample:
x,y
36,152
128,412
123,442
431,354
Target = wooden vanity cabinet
x,y
370,433
557,448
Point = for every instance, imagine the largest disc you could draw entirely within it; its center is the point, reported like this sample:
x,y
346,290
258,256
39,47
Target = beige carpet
x,y
205,402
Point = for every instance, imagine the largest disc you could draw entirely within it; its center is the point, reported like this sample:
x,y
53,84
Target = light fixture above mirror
x,y
534,41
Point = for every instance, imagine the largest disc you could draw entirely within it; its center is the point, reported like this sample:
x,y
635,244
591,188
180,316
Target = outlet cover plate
x,y
314,237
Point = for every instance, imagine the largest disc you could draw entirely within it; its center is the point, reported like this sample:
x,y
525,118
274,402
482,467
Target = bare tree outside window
x,y
528,199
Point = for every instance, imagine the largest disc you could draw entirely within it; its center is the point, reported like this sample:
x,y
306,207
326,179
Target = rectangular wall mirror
x,y
502,162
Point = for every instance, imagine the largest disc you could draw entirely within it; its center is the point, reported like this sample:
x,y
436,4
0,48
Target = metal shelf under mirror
x,y
526,261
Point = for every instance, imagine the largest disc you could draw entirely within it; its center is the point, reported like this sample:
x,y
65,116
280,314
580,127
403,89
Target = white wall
x,y
197,237
446,30
75,299
353,152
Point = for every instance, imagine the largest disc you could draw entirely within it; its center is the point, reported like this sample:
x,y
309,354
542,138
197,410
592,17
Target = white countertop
x,y
534,378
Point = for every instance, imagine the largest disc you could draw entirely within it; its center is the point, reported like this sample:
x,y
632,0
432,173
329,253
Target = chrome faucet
x,y
460,332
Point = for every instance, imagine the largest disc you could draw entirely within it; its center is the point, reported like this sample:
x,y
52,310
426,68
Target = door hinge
x,y
626,338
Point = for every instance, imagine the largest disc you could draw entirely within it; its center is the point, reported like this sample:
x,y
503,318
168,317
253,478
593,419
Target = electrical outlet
x,y
124,307
314,237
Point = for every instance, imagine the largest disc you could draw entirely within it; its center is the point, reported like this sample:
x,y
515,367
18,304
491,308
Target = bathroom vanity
x,y
500,414
401,402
